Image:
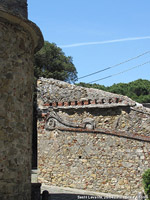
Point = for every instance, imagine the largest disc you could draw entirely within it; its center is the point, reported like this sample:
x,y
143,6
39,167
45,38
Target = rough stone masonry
x,y
90,139
19,39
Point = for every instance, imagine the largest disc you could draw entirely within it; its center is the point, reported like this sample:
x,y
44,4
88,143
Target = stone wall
x,y
16,75
16,89
90,139
16,7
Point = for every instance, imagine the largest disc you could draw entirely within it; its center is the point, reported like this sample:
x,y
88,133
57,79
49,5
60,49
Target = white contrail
x,y
104,42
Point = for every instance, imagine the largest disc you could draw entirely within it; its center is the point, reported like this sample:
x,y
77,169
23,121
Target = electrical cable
x,y
133,58
120,72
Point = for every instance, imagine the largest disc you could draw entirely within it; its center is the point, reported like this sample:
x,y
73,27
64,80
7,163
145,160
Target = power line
x,y
120,72
133,58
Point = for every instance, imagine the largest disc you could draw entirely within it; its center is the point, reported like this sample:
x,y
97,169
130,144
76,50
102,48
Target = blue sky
x,y
104,23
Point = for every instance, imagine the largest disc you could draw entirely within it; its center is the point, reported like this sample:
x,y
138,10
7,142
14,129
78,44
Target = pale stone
x,y
139,150
114,180
121,182
142,157
126,164
93,175
84,160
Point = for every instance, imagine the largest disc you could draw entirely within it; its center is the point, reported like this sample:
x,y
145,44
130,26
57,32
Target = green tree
x,y
120,88
51,62
138,90
146,182
88,85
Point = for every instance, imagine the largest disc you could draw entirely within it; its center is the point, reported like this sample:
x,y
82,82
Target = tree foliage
x,y
146,182
51,62
138,90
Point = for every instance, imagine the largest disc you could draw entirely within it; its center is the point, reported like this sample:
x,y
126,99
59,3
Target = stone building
x,y
90,139
19,40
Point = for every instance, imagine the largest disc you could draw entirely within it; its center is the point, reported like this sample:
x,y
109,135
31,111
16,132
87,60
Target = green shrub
x,y
146,182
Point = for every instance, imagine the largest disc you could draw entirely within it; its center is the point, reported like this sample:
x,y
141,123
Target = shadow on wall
x,y
96,112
